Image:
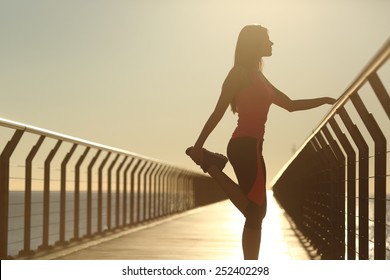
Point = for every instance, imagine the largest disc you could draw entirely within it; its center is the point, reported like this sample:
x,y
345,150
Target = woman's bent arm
x,y
230,87
212,122
209,126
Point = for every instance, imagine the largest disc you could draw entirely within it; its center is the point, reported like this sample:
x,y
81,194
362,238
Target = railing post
x,y
167,189
46,197
380,92
89,194
180,191
152,182
186,184
327,195
139,191
363,182
100,194
61,240
303,198
4,191
117,195
157,181
145,191
351,189
109,175
132,190
380,177
189,190
340,193
27,199
124,210
174,205
76,218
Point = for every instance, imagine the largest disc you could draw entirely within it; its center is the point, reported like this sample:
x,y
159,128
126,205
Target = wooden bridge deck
x,y
211,232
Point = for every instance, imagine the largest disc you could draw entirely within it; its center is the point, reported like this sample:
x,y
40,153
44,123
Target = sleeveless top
x,y
252,105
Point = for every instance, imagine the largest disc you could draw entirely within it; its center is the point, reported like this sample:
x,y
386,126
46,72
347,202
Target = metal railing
x,y
334,187
57,190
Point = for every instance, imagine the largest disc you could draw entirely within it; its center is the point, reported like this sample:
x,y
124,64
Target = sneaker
x,y
210,158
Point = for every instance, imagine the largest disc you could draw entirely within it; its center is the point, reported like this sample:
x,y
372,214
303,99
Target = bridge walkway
x,y
211,232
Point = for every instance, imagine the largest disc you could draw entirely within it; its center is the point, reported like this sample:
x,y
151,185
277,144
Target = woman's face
x,y
266,46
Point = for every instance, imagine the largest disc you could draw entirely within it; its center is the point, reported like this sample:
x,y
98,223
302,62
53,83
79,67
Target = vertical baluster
x,y
4,191
351,189
89,194
156,181
125,192
76,218
164,192
324,216
100,193
363,182
380,92
61,241
340,192
152,182
27,199
144,164
109,175
118,189
132,190
46,197
380,177
145,190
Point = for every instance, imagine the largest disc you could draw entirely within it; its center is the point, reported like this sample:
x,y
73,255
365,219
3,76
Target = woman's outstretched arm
x,y
282,100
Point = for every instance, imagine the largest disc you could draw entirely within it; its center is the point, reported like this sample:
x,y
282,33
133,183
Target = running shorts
x,y
245,155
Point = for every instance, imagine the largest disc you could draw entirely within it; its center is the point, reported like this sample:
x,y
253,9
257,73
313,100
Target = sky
x,y
144,76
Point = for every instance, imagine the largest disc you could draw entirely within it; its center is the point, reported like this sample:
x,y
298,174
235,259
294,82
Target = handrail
x,y
67,138
318,185
376,62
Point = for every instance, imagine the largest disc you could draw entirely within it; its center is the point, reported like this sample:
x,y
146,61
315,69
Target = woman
x,y
250,95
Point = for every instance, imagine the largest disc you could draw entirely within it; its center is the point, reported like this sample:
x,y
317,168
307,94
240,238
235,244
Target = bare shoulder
x,y
237,78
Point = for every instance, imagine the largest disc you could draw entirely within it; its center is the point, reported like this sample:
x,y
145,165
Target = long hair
x,y
247,55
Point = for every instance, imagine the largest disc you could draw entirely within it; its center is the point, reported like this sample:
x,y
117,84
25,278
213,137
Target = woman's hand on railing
x,y
330,100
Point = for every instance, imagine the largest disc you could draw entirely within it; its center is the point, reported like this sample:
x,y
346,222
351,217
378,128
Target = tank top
x,y
252,105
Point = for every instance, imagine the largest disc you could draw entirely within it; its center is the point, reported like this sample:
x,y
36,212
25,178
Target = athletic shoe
x,y
210,158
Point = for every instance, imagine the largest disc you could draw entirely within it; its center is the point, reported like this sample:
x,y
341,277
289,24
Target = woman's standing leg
x,y
247,161
251,235
251,239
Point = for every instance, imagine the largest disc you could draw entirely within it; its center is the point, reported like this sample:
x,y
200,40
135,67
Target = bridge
x,y
67,198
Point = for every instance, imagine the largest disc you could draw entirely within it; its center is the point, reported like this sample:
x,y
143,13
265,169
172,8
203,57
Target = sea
x,y
16,219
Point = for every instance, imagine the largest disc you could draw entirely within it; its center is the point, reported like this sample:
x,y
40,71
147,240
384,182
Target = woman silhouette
x,y
250,95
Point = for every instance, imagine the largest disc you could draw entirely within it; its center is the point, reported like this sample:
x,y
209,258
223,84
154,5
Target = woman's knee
x,y
255,215
253,223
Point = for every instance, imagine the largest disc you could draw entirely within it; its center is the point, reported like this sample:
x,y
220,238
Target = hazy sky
x,y
145,75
